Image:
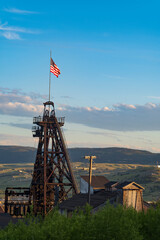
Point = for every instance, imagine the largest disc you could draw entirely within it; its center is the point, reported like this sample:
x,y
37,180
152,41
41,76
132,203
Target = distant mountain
x,y
19,154
115,155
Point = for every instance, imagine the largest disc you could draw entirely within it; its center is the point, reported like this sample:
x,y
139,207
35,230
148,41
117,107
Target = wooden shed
x,y
130,194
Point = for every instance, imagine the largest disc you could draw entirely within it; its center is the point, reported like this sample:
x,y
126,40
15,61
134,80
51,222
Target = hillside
x,y
18,154
117,164
115,155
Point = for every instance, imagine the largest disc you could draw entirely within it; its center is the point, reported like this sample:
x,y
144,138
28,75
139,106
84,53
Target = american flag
x,y
54,69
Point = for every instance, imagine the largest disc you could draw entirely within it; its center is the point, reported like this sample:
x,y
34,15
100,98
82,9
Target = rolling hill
x,y
19,154
115,155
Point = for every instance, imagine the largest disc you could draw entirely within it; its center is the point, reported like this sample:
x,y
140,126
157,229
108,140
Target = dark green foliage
x,y
150,223
110,223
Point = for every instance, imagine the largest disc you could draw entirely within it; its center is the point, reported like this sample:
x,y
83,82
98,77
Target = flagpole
x,y
50,78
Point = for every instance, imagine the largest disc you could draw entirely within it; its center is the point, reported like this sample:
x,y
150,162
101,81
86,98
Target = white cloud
x,y
11,35
14,102
19,11
61,109
11,32
87,108
120,117
6,27
106,109
8,94
12,97
9,139
151,105
20,109
124,106
96,108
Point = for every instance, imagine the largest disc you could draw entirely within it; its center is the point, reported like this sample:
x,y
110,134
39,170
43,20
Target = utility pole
x,y
90,158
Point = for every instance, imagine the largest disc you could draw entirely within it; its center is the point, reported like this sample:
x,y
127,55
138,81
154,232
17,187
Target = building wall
x,y
133,198
139,206
84,187
111,189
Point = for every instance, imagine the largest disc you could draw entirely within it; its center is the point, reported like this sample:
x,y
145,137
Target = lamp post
x,y
90,158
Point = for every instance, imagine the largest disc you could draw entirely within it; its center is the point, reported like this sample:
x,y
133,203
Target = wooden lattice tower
x,y
53,180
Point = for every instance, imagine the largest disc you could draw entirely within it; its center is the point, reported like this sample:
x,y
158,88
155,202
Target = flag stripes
x,y
54,69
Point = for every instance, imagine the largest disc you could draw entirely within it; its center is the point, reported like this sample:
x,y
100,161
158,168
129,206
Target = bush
x,y
110,223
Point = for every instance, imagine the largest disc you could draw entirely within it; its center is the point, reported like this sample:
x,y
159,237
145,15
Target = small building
x,y
97,183
111,186
130,194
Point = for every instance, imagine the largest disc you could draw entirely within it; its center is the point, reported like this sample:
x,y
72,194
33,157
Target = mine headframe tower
x,y
53,179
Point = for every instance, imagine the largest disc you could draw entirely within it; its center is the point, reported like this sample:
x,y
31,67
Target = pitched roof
x,y
98,182
125,185
111,184
80,200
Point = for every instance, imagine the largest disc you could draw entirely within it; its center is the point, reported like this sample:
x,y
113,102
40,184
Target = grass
x,y
13,175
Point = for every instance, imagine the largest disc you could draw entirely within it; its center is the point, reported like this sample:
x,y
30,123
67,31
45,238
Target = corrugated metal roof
x,y
98,182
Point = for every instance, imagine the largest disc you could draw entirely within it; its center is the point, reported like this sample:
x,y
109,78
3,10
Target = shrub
x,y
110,223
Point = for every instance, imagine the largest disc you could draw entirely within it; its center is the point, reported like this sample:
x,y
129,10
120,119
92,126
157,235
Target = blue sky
x,y
109,56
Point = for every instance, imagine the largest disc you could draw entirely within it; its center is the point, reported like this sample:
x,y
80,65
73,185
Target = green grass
x,y
14,175
145,175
